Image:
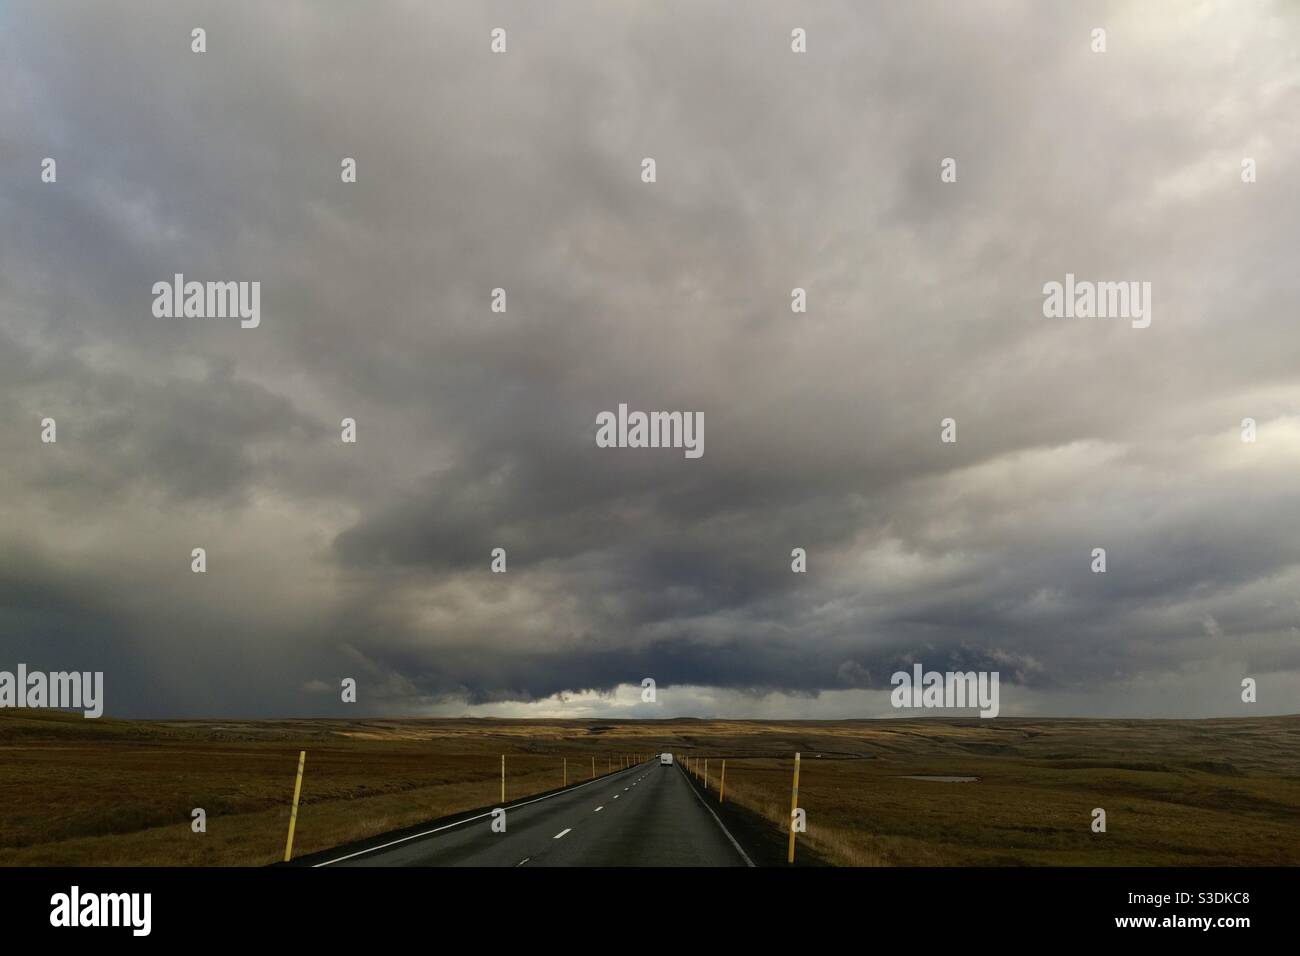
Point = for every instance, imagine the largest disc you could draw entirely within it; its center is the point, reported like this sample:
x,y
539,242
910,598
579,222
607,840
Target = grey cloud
x,y
475,429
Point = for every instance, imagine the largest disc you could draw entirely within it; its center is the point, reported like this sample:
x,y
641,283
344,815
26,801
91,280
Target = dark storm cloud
x,y
476,430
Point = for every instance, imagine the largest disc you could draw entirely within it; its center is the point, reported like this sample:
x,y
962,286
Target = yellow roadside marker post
x,y
794,805
293,813
706,773
566,771
722,784
593,768
503,778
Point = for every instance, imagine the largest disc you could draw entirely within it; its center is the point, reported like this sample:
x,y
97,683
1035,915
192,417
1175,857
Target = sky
x,y
774,170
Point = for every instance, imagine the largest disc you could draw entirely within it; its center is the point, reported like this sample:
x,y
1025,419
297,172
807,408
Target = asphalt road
x,y
647,815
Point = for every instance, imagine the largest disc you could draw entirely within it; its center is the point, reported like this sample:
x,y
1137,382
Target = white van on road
x,y
665,760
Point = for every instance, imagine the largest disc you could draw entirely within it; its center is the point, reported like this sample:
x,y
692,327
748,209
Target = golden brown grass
x,y
1176,792
1220,792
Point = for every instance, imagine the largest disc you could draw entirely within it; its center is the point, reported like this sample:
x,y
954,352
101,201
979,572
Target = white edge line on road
x,y
448,826
743,855
562,832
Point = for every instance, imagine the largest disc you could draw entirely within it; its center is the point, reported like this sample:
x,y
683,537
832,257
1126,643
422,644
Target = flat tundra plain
x,y
1176,792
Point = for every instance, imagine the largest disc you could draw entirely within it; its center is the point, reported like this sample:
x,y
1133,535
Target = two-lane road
x,y
647,815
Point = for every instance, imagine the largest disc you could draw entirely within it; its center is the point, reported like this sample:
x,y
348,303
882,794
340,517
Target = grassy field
x,y
110,792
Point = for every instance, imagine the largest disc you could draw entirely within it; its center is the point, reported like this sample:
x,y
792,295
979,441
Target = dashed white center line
x,y
523,861
561,833
626,789
617,795
598,809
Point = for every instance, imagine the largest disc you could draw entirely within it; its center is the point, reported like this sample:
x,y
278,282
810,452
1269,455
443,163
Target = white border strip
x,y
448,826
743,855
